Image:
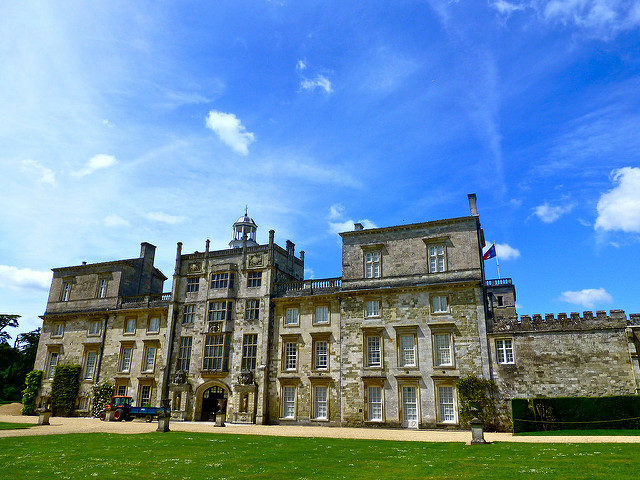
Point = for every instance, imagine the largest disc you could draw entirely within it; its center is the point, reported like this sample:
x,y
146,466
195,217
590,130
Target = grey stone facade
x,y
242,334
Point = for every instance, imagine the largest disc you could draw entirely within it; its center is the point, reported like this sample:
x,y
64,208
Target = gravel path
x,y
60,425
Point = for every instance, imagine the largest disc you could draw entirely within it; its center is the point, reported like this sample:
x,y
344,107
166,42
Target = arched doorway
x,y
214,400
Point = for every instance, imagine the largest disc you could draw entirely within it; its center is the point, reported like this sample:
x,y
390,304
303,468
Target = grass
x,y
205,455
13,426
597,432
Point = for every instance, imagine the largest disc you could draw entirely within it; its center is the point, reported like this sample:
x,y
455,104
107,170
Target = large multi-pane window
x,y
220,310
102,287
439,304
290,356
374,403
409,403
66,291
407,346
53,363
145,395
504,351
130,325
121,390
95,327
320,395
222,280
322,314
321,354
154,325
214,352
149,359
446,405
291,316
437,259
254,279
249,351
372,264
374,352
58,329
125,359
193,284
252,309
372,308
90,364
184,354
443,349
288,401
189,313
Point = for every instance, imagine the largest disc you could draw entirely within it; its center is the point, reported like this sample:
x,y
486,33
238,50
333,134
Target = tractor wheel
x,y
102,416
149,418
118,415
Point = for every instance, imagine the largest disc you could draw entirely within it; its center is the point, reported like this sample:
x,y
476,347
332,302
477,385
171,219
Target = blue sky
x,y
159,122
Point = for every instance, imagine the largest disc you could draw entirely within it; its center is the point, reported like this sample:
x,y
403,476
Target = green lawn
x,y
582,432
12,426
204,455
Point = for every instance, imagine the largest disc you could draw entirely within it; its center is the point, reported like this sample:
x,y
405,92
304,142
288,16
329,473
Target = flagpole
x,y
497,263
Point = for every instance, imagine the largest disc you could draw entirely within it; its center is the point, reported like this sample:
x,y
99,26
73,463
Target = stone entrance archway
x,y
211,400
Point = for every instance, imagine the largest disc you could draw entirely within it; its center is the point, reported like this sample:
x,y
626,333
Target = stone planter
x,y
43,418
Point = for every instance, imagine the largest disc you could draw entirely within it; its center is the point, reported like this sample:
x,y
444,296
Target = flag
x,y
490,253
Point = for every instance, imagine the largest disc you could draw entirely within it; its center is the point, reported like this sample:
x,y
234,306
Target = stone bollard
x,y
477,433
220,420
43,418
163,423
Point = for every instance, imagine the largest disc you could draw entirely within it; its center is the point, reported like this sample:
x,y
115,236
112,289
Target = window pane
x,y
125,365
447,410
291,316
443,349
374,395
407,350
320,407
90,365
290,356
322,314
373,351
289,402
154,325
321,355
373,308
409,403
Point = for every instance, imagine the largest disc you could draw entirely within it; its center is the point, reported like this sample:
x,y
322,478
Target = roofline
x,y
409,226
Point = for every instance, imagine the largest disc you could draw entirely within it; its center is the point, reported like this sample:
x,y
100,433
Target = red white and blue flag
x,y
490,253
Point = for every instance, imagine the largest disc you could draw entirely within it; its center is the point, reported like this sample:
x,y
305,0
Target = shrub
x,y
578,413
481,393
102,394
64,389
29,394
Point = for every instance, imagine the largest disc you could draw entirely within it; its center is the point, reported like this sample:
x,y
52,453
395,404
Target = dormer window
x,y
437,258
102,287
372,265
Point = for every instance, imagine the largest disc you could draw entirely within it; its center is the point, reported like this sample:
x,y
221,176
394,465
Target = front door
x,y
214,400
409,407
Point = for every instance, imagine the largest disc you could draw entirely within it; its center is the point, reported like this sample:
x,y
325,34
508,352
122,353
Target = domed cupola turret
x,y
244,226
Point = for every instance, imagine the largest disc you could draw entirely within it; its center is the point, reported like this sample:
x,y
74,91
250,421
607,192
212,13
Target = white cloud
x,y
308,273
504,251
506,8
589,297
230,130
336,211
619,208
14,277
97,162
320,81
348,225
115,221
164,218
301,65
43,174
550,213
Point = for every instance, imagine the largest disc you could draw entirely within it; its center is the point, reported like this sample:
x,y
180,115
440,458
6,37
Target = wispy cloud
x,y
504,251
339,224
550,213
114,220
97,162
619,208
14,277
301,65
164,218
506,8
319,82
588,297
230,130
336,211
41,173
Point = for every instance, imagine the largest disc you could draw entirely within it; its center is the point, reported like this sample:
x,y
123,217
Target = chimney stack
x,y
302,255
358,226
473,208
291,247
272,234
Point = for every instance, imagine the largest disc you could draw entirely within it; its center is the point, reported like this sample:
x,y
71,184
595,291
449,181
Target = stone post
x,y
163,417
43,417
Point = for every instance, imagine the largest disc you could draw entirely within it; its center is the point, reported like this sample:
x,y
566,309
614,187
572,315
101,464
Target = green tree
x,y
7,320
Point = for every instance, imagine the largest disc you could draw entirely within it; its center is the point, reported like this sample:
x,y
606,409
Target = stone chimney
x,y
272,235
147,254
178,255
473,208
358,226
291,248
302,255
147,251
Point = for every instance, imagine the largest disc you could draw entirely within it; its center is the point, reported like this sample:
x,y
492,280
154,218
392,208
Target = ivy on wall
x,y
29,394
102,394
64,389
480,393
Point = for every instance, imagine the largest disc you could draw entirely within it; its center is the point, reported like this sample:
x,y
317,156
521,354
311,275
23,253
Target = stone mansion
x,y
242,333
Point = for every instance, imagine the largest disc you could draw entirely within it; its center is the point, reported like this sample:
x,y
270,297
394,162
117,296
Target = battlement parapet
x,y
566,322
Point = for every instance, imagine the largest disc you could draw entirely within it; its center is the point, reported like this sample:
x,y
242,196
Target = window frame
x,y
315,315
141,391
367,356
438,403
436,349
367,385
283,402
254,278
401,360
252,309
372,263
188,317
85,365
401,406
157,330
327,354
314,402
103,282
92,323
290,355
502,359
51,371
432,302
192,285
220,314
286,316
249,352
366,308
65,291
58,326
223,357
184,354
121,368
221,280
145,359
437,255
127,320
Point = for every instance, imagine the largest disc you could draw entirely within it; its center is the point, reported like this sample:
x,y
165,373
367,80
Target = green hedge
x,y
577,413
29,394
102,394
64,390
479,393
